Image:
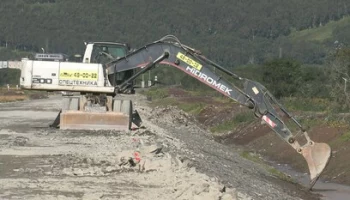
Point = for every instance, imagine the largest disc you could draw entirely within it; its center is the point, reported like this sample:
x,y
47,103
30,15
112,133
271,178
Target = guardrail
x,y
10,64
3,64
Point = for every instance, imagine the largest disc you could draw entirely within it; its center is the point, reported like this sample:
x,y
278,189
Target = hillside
x,y
231,32
331,31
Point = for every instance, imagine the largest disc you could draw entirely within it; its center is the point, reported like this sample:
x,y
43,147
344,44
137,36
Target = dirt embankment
x,y
259,138
19,95
264,145
172,158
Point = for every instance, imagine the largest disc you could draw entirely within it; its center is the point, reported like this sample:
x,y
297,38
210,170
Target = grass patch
x,y
345,137
321,33
251,156
226,126
201,93
309,121
326,119
306,104
274,172
224,99
11,95
193,108
11,98
339,141
243,117
156,93
164,102
161,97
20,95
337,121
338,124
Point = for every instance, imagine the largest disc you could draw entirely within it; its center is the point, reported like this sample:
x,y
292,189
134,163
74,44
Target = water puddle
x,y
329,191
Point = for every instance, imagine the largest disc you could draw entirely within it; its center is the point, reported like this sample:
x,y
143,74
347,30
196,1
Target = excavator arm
x,y
253,95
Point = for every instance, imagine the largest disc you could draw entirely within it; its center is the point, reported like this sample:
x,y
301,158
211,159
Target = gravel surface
x,y
171,158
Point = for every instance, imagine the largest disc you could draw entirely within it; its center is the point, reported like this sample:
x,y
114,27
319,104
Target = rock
x,y
20,141
227,197
110,169
78,172
200,188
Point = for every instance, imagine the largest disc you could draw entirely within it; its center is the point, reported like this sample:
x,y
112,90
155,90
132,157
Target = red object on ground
x,y
137,156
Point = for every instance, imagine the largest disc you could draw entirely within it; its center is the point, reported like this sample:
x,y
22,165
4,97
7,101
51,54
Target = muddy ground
x,y
265,146
256,137
171,158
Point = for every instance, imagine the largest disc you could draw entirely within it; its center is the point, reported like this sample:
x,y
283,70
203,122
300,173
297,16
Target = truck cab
x,y
103,52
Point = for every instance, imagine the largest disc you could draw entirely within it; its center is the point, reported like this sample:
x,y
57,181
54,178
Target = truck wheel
x,y
125,107
109,103
70,103
117,104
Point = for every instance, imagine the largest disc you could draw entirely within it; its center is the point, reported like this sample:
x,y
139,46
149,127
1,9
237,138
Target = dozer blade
x,y
317,156
80,120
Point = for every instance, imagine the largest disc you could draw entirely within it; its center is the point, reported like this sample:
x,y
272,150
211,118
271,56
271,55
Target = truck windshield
x,y
103,53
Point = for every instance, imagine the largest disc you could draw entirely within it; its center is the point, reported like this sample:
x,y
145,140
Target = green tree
x,y
9,76
282,77
339,75
314,82
232,32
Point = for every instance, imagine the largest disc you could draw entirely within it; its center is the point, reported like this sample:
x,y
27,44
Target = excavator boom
x,y
253,95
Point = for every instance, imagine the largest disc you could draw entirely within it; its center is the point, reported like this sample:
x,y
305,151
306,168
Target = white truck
x,y
96,106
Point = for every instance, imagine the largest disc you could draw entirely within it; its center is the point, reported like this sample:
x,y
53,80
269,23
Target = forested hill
x,y
232,32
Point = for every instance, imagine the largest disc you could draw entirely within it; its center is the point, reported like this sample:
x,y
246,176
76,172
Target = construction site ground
x,y
172,157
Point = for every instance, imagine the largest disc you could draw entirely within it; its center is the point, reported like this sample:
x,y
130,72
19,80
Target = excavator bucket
x,y
317,156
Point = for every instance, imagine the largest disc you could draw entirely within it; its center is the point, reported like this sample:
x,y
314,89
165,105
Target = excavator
x,y
100,105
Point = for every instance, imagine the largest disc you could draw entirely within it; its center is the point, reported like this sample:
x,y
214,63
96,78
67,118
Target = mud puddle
x,y
328,190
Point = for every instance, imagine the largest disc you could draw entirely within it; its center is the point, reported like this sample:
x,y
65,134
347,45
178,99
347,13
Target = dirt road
x,y
172,158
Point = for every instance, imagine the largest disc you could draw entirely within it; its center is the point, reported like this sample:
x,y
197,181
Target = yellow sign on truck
x,y
78,74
